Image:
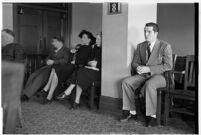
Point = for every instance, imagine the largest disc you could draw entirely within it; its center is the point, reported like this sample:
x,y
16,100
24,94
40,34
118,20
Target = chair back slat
x,y
171,77
34,62
189,72
174,58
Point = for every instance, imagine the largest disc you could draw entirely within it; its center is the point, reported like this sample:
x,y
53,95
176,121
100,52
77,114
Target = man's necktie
x,y
148,51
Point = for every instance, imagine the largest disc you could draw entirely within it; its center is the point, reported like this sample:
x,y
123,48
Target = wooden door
x,y
30,30
37,27
53,25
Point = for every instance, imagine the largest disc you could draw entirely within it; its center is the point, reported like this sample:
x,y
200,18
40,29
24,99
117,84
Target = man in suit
x,y
151,59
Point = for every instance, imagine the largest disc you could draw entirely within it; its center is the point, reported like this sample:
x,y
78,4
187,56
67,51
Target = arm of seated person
x,y
92,63
50,62
72,62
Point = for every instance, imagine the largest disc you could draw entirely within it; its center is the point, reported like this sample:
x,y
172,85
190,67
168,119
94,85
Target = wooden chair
x,y
186,94
12,82
32,63
160,91
92,95
95,93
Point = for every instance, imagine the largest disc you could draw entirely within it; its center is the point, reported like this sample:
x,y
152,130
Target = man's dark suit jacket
x,y
13,52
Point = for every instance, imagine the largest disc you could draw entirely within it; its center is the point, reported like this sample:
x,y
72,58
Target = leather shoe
x,y
62,96
41,93
24,98
46,101
150,121
75,106
128,117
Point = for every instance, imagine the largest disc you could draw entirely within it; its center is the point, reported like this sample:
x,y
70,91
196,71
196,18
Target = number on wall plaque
x,y
114,8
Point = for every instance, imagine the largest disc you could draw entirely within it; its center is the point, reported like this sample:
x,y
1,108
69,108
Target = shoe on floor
x,y
128,117
24,98
46,101
41,93
62,96
75,106
150,121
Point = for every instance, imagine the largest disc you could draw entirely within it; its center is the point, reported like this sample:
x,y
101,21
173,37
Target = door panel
x,y
30,30
53,26
29,41
37,27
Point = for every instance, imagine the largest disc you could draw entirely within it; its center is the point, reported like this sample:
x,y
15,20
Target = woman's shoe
x,y
62,96
41,93
75,106
46,101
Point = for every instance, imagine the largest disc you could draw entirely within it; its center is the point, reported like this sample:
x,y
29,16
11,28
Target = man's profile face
x,y
55,43
149,34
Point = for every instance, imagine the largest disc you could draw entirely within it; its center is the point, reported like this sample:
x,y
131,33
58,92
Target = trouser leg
x,y
129,85
150,87
34,86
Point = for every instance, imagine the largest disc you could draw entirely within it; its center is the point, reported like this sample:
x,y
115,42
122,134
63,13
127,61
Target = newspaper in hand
x,y
93,68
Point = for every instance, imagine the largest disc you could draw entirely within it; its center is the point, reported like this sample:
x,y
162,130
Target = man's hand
x,y
50,62
73,50
92,63
72,62
143,69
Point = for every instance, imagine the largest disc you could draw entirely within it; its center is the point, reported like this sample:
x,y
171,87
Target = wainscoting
x,y
111,105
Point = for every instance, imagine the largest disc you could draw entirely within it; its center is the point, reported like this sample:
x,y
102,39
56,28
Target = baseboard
x,y
110,105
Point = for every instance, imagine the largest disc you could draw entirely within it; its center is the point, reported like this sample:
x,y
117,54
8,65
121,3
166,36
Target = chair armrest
x,y
169,77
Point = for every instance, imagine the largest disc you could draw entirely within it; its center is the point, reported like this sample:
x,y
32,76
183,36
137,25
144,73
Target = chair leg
x,y
166,110
91,98
158,113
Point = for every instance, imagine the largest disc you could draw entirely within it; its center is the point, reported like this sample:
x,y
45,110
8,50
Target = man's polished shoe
x,y
128,117
62,96
151,122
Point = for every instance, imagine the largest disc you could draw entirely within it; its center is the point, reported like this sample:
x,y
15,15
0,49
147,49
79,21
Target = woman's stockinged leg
x,y
53,86
78,94
69,89
47,86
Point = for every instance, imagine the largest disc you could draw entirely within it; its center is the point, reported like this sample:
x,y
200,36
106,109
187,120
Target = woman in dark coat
x,y
38,79
86,75
61,73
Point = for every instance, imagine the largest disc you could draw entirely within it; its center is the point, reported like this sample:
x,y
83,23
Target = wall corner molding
x,y
110,105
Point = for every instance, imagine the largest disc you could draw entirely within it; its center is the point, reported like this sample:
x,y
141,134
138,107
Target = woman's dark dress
x,y
86,76
64,71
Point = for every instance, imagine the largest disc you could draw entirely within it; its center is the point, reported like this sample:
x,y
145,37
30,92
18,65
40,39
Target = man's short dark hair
x,y
8,31
154,25
60,39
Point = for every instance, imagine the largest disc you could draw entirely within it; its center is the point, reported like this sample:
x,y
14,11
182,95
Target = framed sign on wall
x,y
114,8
